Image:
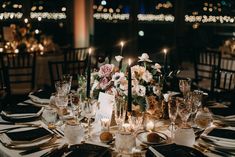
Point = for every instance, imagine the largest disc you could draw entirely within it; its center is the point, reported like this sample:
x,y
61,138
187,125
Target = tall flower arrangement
x,y
146,84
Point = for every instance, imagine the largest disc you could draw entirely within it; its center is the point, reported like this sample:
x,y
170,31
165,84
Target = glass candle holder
x,y
105,124
73,132
185,136
125,142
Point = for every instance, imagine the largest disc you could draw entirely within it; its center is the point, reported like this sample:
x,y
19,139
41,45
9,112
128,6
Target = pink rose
x,y
106,70
104,83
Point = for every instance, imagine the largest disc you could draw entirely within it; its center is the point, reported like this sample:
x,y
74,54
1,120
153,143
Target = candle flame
x,y
165,51
129,61
122,43
89,51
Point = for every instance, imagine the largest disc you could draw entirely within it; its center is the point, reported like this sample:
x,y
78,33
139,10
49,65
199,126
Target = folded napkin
x,y
41,97
91,150
42,94
222,111
222,134
28,135
173,150
22,111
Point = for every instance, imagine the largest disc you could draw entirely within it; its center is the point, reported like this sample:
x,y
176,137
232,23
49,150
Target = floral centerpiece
x,y
146,83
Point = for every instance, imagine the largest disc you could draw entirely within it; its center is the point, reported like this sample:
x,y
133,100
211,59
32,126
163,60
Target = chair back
x,y
204,64
75,54
58,68
20,68
3,81
227,63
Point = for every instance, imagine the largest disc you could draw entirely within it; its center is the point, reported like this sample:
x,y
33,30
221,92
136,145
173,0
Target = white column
x,y
83,22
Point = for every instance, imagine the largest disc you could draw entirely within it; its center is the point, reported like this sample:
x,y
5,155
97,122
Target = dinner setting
x,y
102,78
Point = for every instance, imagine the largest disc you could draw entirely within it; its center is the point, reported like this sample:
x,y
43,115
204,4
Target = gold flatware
x,y
18,127
37,149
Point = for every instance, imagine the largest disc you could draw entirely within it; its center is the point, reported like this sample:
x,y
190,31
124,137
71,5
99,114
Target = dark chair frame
x,y
19,61
210,59
58,68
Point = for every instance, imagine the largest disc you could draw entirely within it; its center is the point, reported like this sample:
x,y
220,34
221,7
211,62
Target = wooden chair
x,y
75,54
203,65
224,84
20,69
3,88
58,68
227,63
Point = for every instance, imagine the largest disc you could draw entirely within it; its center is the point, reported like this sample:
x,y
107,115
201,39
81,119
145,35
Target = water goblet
x,y
67,78
185,86
184,110
196,99
61,102
173,112
61,87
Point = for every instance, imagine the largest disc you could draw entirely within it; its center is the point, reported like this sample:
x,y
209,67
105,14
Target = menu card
x,y
106,102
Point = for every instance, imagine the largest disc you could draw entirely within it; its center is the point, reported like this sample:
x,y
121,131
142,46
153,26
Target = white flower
x,y
137,71
95,85
118,58
124,85
93,76
140,90
147,76
157,90
157,67
117,77
144,58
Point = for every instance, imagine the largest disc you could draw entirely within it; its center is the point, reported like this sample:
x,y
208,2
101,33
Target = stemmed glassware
x,y
173,112
67,79
120,111
196,100
88,110
184,110
185,86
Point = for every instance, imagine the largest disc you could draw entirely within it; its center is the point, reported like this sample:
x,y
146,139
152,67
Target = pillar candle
x,y
88,74
121,54
165,61
129,109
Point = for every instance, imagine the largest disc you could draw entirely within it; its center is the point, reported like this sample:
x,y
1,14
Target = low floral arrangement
x,y
146,82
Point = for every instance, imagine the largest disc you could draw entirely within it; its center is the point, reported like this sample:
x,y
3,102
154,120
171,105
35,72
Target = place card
x,y
105,109
106,102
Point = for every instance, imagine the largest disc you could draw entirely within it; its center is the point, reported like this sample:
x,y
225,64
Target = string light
x,y
10,15
209,19
47,15
141,17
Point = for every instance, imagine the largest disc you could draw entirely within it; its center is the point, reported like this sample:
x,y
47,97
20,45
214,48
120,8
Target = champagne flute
x,y
173,112
120,111
88,111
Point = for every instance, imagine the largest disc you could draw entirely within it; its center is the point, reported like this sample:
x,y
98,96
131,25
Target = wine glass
x,y
61,87
184,110
196,99
67,78
120,111
173,112
185,86
75,102
88,111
